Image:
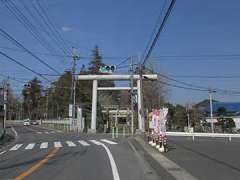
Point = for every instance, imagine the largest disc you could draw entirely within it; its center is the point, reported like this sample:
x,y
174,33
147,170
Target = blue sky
x,y
123,28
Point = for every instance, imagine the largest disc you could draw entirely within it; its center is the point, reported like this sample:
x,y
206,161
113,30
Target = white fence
x,y
67,124
193,135
64,121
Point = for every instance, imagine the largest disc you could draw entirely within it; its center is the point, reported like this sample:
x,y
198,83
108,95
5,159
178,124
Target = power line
x,y
22,19
206,77
197,56
14,41
25,67
51,24
182,87
36,52
41,25
196,87
124,61
62,55
54,33
158,32
12,78
156,26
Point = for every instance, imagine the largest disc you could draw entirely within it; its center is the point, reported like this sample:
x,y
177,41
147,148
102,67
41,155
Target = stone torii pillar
x,y
94,105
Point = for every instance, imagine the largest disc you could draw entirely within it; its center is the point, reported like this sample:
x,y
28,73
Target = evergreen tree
x,y
59,96
96,61
32,94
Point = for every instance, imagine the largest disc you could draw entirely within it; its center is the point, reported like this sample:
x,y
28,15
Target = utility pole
x,y
21,111
188,117
73,88
132,94
47,104
5,94
211,108
141,97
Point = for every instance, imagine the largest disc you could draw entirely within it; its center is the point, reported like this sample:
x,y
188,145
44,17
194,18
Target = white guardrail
x,y
49,121
193,135
65,121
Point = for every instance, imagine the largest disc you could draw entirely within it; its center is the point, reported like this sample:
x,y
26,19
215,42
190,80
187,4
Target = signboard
x,y
158,120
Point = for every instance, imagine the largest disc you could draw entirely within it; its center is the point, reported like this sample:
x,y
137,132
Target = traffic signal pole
x,y
5,90
132,94
73,89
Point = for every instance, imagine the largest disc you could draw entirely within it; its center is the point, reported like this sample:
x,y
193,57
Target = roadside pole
x,y
5,90
141,97
188,117
116,124
47,105
211,109
132,94
73,89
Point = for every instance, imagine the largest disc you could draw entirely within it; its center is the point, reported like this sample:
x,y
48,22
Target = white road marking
x,y
70,143
46,132
59,131
2,152
95,142
44,145
39,132
16,147
84,143
112,162
57,144
30,146
15,132
52,132
107,141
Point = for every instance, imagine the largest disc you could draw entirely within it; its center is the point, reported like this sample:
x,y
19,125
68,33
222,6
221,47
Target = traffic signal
x,y
28,85
107,69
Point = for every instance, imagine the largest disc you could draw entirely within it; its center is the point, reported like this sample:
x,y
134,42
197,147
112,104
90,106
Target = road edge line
x,y
112,162
15,132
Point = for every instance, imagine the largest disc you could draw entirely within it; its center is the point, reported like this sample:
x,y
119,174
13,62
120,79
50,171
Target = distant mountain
x,y
205,103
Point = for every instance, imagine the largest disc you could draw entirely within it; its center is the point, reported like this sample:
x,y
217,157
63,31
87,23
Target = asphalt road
x,y
39,153
207,158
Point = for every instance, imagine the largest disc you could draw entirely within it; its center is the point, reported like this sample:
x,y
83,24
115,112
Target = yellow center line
x,y
38,165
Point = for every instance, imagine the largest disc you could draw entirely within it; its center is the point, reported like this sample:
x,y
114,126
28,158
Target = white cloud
x,y
66,29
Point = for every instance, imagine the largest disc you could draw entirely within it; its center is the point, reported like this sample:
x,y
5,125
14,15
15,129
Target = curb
x,y
171,167
150,167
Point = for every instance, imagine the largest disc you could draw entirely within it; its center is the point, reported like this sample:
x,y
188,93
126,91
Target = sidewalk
x,y
164,167
8,138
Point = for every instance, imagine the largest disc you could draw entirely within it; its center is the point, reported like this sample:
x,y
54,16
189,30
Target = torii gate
x,y
95,88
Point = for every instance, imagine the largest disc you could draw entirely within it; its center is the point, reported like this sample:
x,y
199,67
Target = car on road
x,y
26,122
34,122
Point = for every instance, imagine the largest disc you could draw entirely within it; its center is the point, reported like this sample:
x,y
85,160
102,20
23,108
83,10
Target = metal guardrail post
x,y
116,132
113,129
123,131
